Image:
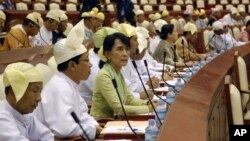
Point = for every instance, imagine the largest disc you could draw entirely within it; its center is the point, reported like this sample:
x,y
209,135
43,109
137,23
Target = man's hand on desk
x,y
98,130
143,94
155,82
168,76
151,108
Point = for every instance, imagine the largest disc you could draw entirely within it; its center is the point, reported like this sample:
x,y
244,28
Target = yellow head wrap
x,y
99,37
18,76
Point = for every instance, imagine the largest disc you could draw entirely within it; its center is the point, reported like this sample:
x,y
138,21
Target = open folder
x,y
121,127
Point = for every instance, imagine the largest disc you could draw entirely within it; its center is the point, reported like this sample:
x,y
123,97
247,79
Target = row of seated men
x,y
92,66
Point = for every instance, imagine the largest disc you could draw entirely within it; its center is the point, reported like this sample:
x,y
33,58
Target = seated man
x,y
58,34
184,45
23,85
61,95
18,37
2,20
51,22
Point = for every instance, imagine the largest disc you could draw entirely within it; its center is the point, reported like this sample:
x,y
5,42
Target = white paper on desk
x,y
122,129
188,68
156,98
159,69
161,89
181,73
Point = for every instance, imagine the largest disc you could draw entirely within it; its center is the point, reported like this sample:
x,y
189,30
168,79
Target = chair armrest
x,y
78,138
102,122
245,91
246,122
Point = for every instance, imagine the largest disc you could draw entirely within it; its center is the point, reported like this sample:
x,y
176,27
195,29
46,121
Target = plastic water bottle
x,y
195,68
187,76
209,58
170,96
179,85
161,111
151,131
202,63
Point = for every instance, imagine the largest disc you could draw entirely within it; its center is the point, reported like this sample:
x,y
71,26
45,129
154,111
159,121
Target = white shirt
x,y
88,33
154,43
200,23
43,38
228,20
86,86
230,41
60,97
224,41
132,77
18,127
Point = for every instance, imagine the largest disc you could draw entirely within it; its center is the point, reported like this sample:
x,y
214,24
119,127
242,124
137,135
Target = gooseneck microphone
x,y
175,60
182,41
209,41
123,109
162,75
150,101
150,80
74,116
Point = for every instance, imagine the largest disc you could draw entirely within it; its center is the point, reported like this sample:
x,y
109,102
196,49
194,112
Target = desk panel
x,y
199,112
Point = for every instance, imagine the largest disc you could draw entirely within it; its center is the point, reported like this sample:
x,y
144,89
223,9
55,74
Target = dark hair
x,y
27,22
248,23
165,30
96,50
109,43
186,33
7,90
63,66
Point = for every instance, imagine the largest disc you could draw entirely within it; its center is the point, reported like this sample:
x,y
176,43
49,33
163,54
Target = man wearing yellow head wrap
x,y
2,20
200,22
86,87
135,54
61,93
51,22
18,35
23,85
100,17
58,34
90,22
184,45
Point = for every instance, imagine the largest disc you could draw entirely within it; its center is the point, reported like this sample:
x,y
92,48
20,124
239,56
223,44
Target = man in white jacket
x,y
61,95
23,85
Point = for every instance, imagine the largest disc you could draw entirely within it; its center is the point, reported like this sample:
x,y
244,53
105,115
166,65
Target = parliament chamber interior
x,y
181,72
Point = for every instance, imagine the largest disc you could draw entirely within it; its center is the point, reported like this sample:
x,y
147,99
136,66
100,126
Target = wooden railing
x,y
199,112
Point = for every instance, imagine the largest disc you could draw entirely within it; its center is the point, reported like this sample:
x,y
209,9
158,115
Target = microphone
x,y
209,41
137,51
182,41
74,116
162,75
175,60
151,103
150,80
123,109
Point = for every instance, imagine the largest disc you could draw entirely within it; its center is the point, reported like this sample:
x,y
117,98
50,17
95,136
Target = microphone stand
x,y
123,109
162,76
175,60
150,101
146,65
74,116
184,56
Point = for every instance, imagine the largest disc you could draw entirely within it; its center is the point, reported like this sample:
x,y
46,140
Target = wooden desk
x,y
126,134
30,55
199,111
